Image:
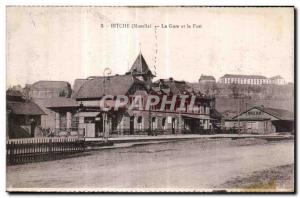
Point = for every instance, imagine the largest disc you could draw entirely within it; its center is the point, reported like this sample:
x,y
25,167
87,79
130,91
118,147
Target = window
x,y
207,110
49,94
196,109
266,125
139,120
62,93
163,122
252,125
75,121
154,124
63,120
201,109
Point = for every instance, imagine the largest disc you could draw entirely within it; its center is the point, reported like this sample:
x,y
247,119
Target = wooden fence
x,y
19,151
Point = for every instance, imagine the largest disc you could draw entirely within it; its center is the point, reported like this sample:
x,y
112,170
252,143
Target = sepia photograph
x,y
150,99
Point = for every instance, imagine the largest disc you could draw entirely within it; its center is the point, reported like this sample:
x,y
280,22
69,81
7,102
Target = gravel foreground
x,y
277,179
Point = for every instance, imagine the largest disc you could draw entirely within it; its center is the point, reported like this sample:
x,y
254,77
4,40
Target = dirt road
x,y
181,165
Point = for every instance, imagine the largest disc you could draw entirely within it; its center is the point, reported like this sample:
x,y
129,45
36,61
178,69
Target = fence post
x,y
8,155
12,161
50,149
30,150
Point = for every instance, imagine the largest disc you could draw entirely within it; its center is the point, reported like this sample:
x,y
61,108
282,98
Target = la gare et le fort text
x,y
163,26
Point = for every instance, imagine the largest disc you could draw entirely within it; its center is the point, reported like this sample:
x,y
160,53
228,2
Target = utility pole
x,y
150,123
239,129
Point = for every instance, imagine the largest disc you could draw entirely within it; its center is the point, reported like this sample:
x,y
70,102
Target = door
x,y
90,130
173,125
131,127
99,126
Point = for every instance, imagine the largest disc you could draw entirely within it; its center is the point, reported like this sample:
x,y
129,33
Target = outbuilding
x,y
262,120
22,116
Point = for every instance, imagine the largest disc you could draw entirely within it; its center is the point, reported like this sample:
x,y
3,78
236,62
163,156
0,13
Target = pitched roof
x,y
243,76
45,84
281,114
140,66
276,77
114,85
56,102
25,108
176,87
204,77
248,119
77,84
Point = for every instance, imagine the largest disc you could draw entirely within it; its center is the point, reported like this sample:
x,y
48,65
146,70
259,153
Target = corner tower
x,y
141,70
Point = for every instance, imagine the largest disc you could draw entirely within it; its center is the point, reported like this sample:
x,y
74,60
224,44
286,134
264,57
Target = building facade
x,y
277,80
49,89
78,112
251,80
128,121
244,79
207,79
54,97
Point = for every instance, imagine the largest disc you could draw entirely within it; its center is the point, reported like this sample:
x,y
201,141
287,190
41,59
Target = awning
x,y
87,114
195,116
191,116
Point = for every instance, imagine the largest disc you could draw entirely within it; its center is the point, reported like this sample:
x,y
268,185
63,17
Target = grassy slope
x,y
271,180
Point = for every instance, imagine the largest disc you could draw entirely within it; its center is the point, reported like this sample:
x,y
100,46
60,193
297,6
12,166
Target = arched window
x,y
153,119
140,119
140,122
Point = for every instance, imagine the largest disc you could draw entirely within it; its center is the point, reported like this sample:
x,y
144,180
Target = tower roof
x,y
140,66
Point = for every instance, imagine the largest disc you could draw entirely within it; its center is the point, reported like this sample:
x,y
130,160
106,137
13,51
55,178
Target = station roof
x,y
111,85
280,114
48,84
24,108
56,102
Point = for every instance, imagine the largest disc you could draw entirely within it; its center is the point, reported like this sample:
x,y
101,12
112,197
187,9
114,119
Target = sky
x,y
66,43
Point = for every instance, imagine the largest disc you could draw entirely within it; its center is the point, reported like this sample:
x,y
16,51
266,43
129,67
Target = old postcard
x,y
150,99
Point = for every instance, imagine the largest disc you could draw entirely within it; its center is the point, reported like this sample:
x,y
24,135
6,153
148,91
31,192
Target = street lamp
x,y
106,72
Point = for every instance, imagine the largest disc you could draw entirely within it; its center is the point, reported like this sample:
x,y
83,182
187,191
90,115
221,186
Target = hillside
x,y
228,96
